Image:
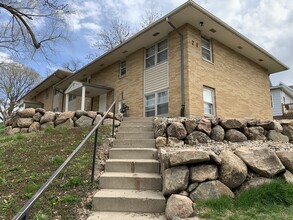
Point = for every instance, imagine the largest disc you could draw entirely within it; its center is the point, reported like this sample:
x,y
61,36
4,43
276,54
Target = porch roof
x,y
92,90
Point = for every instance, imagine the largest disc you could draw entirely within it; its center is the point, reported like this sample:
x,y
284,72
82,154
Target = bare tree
x,y
27,26
150,15
73,64
15,81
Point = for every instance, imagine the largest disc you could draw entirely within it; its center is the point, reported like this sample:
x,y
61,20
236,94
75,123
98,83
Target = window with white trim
x,y
206,49
209,101
71,97
156,54
122,69
156,104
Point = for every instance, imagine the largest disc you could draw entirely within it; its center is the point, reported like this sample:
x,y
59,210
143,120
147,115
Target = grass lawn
x,y
28,160
273,201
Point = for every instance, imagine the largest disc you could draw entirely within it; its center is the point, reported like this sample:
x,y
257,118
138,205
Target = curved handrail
x,y
22,214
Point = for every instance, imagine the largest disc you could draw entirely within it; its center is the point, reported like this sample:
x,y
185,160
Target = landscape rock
x,y
161,142
109,115
177,130
119,116
266,124
190,125
288,131
109,122
24,130
262,160
184,193
254,133
234,135
160,129
215,121
204,125
175,179
37,117
255,182
47,125
286,158
277,136
233,171
215,158
67,124
233,123
192,187
47,117
98,118
27,113
277,126
24,122
210,190
183,157
84,121
92,114
79,113
35,126
174,142
178,206
251,121
218,133
203,172
197,137
287,176
40,110
63,117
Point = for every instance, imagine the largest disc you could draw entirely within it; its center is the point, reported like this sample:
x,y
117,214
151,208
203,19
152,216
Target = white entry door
x,y
103,103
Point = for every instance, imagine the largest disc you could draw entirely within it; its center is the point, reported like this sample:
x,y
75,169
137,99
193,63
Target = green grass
x,y
273,201
2,130
28,160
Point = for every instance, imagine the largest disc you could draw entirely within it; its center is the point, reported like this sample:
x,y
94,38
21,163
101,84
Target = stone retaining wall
x,y
32,120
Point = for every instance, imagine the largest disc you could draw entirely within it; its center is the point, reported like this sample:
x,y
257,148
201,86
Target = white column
x,y
66,102
83,98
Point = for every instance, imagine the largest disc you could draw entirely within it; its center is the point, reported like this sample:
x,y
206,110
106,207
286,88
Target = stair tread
x,y
134,160
126,216
134,149
128,193
131,175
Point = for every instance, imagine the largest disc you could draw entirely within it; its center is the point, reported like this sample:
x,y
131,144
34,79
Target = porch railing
x,y
23,214
287,109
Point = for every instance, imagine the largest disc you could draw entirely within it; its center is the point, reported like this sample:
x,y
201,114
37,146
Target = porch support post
x,y
66,102
83,98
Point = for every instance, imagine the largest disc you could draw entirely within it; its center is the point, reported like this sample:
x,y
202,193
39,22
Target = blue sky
x,y
269,23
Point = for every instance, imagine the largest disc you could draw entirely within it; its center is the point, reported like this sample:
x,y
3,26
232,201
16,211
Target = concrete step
x,y
138,119
135,181
126,216
135,135
135,129
132,143
132,165
129,201
136,124
133,153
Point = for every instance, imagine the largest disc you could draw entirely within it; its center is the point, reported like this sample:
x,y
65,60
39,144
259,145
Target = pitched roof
x,y
283,87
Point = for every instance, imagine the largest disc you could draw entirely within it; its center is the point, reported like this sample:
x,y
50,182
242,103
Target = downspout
x,y
182,110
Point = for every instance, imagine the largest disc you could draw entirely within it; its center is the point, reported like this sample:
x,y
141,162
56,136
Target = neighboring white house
x,y
282,101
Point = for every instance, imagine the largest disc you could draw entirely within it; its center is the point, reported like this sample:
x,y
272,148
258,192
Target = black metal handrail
x,y
24,211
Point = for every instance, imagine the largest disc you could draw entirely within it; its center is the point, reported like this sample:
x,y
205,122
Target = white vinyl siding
x,y
156,78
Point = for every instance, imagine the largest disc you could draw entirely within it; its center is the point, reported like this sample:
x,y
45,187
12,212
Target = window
x,y
156,104
209,101
55,109
71,97
156,54
122,68
56,92
206,49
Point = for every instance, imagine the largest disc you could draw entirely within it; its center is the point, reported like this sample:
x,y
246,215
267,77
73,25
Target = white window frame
x,y
205,88
156,103
206,49
123,70
156,53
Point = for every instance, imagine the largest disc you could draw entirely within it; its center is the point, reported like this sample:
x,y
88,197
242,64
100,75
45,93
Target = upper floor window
x,y
209,101
156,54
206,49
122,68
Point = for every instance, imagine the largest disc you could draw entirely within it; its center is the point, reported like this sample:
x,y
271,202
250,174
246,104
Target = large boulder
x,y
287,176
188,157
109,122
255,182
11,131
234,135
40,110
160,129
263,161
286,158
218,133
98,118
204,125
24,122
178,206
174,142
288,131
47,125
63,117
233,123
37,117
277,136
196,137
210,190
175,179
203,172
84,121
190,124
254,133
92,114
161,142
48,117
67,124
35,126
27,113
80,113
233,171
266,124
177,130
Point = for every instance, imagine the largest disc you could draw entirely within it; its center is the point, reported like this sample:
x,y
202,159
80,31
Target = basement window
x,y
206,49
209,101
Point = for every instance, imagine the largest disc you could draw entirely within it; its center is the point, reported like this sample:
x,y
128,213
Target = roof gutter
x,y
182,110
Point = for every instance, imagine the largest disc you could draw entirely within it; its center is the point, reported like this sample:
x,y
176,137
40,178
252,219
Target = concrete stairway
x,y
131,184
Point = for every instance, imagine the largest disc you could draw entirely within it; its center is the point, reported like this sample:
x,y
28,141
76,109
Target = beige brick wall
x,y
46,97
241,86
